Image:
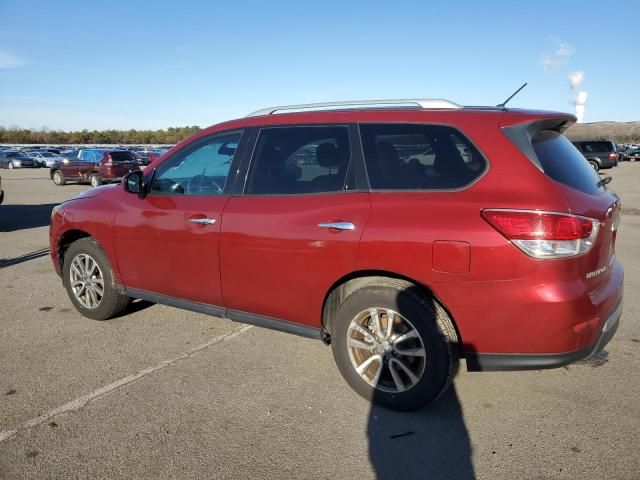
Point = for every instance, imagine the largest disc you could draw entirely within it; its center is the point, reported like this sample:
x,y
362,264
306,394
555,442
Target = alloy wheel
x,y
87,282
386,350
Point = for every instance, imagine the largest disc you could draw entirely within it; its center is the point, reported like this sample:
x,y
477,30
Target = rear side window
x,y
121,157
419,157
593,147
561,161
296,160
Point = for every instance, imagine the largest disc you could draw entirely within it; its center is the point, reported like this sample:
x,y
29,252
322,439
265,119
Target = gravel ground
x,y
164,393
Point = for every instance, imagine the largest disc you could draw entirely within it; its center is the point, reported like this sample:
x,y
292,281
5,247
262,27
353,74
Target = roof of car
x,y
435,111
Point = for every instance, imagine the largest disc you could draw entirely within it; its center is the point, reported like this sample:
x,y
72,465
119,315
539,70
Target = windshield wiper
x,y
604,181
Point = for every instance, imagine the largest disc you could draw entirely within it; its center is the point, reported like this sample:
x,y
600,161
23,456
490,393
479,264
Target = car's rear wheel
x,y
10,165
58,178
594,165
89,281
394,345
95,180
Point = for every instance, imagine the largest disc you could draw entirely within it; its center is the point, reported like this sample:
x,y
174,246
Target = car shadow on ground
x,y
20,217
7,262
429,443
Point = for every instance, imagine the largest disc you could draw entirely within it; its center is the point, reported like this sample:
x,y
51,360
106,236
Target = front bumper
x,y
477,362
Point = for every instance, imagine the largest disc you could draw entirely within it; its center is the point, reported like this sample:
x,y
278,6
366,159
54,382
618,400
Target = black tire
x,y
426,316
112,302
58,178
95,180
594,165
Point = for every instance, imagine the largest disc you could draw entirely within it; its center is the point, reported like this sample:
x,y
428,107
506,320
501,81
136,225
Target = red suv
x,y
406,236
94,166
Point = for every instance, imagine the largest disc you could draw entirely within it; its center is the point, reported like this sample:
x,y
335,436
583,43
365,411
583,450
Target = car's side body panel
x,y
273,247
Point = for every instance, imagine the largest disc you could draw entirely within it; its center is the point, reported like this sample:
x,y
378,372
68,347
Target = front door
x,y
167,242
296,228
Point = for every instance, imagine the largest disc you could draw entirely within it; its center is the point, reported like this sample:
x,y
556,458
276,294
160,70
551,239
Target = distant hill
x,y
619,132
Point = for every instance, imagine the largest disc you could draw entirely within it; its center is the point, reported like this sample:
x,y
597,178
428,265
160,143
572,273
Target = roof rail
x,y
416,103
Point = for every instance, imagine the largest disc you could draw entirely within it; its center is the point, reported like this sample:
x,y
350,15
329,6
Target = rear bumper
x,y
477,362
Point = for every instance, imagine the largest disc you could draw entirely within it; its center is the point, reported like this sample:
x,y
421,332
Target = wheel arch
x,y
349,283
66,239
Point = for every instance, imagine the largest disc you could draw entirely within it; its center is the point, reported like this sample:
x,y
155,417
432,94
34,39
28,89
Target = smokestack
x,y
580,98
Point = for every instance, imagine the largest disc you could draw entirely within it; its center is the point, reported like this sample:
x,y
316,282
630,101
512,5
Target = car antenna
x,y
502,105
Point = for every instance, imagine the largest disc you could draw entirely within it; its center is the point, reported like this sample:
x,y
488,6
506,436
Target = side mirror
x,y
133,183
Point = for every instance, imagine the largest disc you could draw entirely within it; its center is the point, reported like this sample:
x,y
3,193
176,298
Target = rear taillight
x,y
545,234
108,159
612,156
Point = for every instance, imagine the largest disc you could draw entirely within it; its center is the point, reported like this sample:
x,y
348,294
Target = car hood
x,y
96,192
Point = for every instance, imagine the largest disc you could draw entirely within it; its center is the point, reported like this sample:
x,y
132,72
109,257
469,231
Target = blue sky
x,y
134,64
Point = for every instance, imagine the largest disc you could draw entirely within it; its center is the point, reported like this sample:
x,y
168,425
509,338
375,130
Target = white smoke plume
x,y
575,79
578,101
559,57
580,98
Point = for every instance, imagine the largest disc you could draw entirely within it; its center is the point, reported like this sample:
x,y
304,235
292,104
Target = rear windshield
x,y
561,161
117,157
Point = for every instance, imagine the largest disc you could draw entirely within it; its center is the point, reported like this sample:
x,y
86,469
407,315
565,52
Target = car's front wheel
x,y
10,166
58,178
394,345
89,281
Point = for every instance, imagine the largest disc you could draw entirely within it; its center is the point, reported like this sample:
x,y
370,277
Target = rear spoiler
x,y
522,133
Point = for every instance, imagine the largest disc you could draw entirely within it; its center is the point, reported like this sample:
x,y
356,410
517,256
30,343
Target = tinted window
x,y
199,169
416,157
290,160
591,147
119,157
561,161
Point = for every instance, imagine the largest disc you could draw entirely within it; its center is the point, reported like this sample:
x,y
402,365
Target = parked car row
x,y
629,153
18,156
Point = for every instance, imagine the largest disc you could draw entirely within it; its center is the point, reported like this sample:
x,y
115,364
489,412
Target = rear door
x,y
296,228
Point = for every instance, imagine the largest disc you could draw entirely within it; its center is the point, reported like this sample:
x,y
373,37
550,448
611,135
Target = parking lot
x,y
166,393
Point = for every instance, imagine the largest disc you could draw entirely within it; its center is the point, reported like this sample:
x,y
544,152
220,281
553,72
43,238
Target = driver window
x,y
199,169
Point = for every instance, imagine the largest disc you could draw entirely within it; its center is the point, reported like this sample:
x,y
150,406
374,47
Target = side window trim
x,y
194,145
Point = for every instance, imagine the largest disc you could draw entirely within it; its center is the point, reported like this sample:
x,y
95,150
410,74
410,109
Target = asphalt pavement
x,y
164,393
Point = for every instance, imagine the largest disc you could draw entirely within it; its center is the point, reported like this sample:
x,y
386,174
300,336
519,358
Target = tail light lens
x,y
545,234
612,156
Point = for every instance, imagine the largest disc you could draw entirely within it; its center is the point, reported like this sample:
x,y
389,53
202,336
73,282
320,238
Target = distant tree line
x,y
132,137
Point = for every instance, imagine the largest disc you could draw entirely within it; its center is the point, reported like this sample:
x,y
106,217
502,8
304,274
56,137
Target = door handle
x,y
338,225
202,221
